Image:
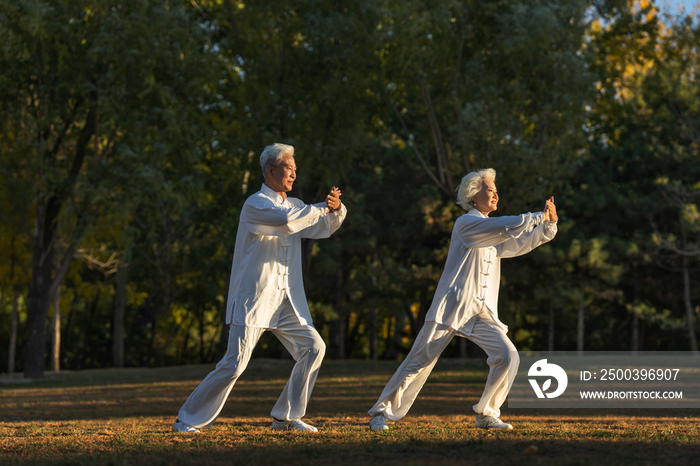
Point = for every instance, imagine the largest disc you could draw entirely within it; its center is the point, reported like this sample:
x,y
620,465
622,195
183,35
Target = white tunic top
x,y
472,272
267,258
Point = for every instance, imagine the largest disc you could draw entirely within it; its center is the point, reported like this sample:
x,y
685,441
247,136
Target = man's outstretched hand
x,y
333,200
550,211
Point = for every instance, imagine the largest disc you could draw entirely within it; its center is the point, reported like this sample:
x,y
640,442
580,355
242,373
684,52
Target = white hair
x,y
471,184
272,155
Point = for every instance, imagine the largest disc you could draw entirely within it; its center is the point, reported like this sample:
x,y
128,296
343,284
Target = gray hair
x,y
471,184
272,155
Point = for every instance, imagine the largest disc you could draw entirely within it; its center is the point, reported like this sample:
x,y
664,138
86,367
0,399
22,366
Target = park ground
x,y
124,416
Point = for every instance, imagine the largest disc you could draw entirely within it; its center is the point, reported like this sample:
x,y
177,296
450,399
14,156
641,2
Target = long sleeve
x,y
327,225
262,217
481,232
526,242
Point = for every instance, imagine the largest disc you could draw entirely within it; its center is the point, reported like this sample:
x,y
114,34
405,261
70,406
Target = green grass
x,y
124,416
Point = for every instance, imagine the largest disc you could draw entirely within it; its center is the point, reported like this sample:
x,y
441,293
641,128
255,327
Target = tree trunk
x,y
163,308
351,332
581,308
372,312
387,341
13,332
423,308
56,320
65,333
462,347
13,318
85,344
201,335
476,351
336,333
550,340
635,316
635,332
38,304
411,318
185,341
46,219
56,332
119,311
689,307
336,327
396,343
372,329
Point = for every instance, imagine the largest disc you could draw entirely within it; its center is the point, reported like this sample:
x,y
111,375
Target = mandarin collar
x,y
265,189
476,213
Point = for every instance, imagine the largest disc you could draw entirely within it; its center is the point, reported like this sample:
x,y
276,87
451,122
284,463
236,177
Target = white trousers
x,y
403,388
302,341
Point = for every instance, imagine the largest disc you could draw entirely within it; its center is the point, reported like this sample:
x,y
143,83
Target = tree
x,y
638,134
81,80
499,84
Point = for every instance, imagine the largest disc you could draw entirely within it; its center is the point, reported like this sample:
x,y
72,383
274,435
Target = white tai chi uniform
x,y
266,292
465,305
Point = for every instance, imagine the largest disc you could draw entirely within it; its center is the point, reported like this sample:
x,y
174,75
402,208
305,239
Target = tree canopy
x,y
130,134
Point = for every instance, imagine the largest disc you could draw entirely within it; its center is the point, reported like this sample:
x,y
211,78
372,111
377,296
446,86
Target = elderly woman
x,y
465,302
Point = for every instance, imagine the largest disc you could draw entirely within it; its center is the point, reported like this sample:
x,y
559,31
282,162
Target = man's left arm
x,y
330,223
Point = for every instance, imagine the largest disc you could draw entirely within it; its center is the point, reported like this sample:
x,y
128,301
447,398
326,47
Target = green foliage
x,y
167,105
497,84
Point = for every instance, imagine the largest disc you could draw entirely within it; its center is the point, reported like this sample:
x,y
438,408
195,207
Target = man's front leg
x,y
307,348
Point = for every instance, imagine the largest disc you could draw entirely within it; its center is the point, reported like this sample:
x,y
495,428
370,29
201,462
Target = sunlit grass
x,y
124,417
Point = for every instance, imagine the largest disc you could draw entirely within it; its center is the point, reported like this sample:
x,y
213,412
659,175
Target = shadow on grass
x,y
409,444
124,417
343,387
347,388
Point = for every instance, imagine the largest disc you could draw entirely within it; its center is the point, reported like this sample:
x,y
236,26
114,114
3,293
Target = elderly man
x,y
266,292
465,302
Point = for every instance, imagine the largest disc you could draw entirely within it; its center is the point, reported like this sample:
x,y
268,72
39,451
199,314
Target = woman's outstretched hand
x,y
550,211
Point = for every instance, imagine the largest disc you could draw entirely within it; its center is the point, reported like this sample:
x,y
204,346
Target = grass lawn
x,y
124,416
